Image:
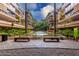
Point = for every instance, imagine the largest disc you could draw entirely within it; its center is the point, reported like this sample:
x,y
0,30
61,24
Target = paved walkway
x,y
10,44
39,52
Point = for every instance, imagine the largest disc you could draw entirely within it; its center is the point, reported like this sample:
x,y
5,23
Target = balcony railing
x,y
70,8
16,7
65,5
7,16
11,9
71,24
66,19
18,26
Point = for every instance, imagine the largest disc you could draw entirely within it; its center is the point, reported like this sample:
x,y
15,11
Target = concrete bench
x,y
52,39
25,38
21,39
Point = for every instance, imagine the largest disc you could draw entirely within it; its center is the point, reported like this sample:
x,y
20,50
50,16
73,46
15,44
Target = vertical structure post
x,y
54,18
26,17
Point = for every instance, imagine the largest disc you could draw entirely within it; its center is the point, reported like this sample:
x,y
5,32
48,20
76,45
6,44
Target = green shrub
x,y
4,31
76,33
66,32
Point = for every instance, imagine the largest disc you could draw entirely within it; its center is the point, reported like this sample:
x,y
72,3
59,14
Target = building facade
x,y
70,15
67,19
67,15
50,19
11,15
30,21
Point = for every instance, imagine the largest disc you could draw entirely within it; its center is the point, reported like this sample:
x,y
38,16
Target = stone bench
x,y
25,38
22,39
52,38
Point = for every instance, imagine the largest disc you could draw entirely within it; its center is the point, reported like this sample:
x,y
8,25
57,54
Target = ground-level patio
x,y
39,48
39,52
10,44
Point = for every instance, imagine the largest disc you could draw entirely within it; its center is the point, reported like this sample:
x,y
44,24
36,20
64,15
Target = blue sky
x,y
22,6
39,10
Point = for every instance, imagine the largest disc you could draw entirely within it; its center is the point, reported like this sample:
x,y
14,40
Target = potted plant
x,y
4,34
4,37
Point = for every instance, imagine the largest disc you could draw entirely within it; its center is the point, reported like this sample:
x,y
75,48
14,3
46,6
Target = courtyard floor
x,y
39,48
10,44
39,52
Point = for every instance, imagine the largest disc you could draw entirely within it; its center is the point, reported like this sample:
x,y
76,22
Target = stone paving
x,y
10,44
39,52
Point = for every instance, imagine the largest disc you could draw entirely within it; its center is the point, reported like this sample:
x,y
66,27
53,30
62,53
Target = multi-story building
x,y
67,15
30,21
11,15
50,20
67,18
70,14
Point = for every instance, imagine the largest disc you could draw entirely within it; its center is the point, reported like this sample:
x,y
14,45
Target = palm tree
x,y
26,17
54,18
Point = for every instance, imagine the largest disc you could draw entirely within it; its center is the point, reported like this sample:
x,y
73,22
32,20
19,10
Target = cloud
x,y
32,6
46,10
37,15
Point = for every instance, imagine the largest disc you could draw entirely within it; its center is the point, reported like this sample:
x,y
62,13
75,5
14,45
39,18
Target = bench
x,y
25,38
52,39
22,39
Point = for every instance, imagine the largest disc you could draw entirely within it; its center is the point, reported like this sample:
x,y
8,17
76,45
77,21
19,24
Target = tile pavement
x,y
10,44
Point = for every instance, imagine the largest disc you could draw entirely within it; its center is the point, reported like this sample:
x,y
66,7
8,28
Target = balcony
x,y
5,24
18,26
73,17
9,25
6,16
69,25
66,24
12,9
65,5
70,8
29,27
30,23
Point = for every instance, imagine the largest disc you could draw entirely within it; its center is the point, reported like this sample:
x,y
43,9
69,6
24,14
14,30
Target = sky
x,y
39,10
22,6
